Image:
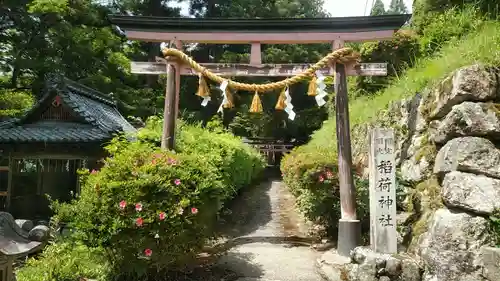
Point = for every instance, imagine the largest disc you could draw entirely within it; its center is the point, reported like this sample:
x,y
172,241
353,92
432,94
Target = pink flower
x,y
194,211
171,161
157,155
162,216
139,222
329,174
177,181
180,211
93,172
123,204
148,252
153,161
138,207
321,178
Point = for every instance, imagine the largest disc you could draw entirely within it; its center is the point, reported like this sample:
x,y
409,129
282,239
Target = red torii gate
x,y
335,31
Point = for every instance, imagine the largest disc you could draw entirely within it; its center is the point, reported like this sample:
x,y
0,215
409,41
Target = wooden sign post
x,y
383,233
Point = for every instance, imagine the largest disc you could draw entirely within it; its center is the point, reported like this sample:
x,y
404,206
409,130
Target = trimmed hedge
x,y
153,210
311,175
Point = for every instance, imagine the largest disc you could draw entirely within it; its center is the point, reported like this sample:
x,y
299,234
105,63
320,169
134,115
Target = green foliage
x,y
312,178
400,53
448,26
495,226
424,11
180,195
397,7
14,103
481,45
65,262
378,8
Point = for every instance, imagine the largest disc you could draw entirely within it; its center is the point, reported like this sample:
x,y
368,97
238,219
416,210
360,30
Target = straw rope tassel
x,y
203,90
280,105
312,87
229,102
256,106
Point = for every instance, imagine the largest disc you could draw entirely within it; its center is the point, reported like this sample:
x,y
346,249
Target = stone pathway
x,y
269,238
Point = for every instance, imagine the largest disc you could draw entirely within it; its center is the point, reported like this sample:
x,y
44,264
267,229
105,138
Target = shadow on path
x,y
244,261
249,211
264,226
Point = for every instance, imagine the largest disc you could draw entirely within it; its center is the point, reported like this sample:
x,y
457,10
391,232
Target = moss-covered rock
x,y
471,83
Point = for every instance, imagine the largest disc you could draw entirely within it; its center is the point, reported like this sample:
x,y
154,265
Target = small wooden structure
x,y
41,152
272,149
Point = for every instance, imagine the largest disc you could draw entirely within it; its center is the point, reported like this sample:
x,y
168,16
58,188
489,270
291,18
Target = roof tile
x,y
102,117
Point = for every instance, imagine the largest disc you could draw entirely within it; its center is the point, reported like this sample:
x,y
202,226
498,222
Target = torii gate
x,y
335,31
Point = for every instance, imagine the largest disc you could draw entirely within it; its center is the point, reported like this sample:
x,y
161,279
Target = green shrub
x,y
399,53
14,103
154,210
424,11
65,262
448,26
311,176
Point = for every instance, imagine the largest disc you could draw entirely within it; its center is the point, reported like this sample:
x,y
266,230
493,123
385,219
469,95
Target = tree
x,y
378,8
397,7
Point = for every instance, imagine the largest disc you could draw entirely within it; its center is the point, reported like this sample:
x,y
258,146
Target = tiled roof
x,y
99,115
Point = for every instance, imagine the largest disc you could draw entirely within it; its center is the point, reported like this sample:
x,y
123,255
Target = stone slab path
x,y
269,237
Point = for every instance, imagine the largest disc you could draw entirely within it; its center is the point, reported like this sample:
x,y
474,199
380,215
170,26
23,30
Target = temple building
x,y
41,151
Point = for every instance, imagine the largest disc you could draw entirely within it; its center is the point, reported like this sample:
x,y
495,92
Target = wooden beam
x,y
167,138
178,45
299,37
255,54
349,227
264,70
9,184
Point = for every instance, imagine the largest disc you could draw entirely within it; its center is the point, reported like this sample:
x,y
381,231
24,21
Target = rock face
x,y
374,266
469,154
473,83
448,157
490,259
475,193
450,248
467,119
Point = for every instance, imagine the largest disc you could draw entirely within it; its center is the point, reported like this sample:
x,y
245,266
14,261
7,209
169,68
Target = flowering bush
x,y
313,179
152,209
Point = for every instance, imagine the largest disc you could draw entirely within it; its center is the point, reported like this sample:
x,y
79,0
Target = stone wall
x,y
449,172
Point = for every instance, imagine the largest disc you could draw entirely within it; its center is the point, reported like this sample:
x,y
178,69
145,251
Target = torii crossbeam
x,y
335,31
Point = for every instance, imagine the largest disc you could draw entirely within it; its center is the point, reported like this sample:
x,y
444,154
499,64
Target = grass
x,y
482,46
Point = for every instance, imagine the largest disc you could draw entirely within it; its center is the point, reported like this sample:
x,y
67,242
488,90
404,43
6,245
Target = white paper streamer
x,y
223,87
320,90
163,45
289,105
205,100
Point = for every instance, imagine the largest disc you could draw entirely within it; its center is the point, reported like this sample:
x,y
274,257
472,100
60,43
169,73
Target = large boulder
x,y
418,164
467,119
471,83
490,260
468,154
475,193
451,247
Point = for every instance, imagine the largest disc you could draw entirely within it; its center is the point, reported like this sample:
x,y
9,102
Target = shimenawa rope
x,y
343,55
